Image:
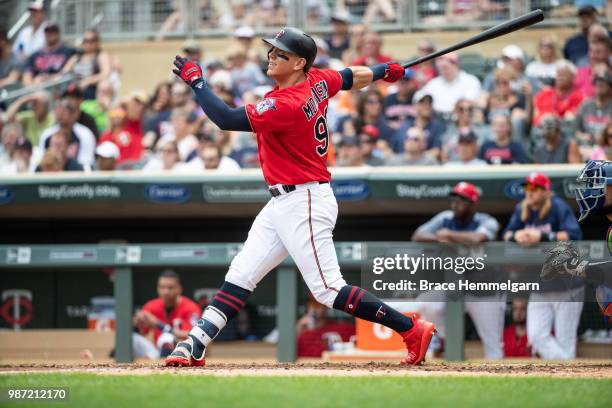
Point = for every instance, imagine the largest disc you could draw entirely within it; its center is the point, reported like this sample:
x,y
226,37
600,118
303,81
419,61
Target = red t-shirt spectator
x,y
128,139
183,317
548,100
584,81
514,347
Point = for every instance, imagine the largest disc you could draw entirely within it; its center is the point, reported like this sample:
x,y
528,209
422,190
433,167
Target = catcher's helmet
x,y
591,189
293,40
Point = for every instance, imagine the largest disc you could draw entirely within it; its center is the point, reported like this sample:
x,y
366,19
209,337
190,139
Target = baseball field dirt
x,y
316,384
581,369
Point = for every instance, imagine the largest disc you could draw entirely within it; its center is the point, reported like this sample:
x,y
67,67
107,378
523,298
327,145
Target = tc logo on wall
x,y
16,307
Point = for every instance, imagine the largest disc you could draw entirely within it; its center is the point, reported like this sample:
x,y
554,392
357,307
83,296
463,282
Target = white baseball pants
x,y
300,224
560,310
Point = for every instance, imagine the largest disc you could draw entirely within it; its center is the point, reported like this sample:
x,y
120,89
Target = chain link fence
x,y
149,19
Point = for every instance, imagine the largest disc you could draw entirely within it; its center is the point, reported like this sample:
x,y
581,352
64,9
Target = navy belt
x,y
287,188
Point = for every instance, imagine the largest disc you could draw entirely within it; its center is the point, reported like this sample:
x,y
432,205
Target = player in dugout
x,y
293,141
170,316
543,217
462,224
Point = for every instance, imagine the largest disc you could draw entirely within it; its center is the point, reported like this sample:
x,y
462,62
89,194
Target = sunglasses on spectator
x,y
465,109
502,81
413,138
372,101
90,40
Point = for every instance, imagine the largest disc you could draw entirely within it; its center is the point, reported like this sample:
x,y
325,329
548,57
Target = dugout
x,y
375,205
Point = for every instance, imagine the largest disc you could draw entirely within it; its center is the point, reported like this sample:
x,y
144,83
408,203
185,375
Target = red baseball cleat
x,y
417,341
182,357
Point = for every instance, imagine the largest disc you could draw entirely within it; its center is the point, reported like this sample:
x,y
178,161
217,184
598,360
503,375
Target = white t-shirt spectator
x,y
226,164
187,145
87,143
29,41
543,72
446,94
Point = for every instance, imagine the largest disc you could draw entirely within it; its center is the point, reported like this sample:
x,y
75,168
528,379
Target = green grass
x,y
187,391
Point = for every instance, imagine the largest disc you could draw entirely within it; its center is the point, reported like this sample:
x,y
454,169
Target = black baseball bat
x,y
507,27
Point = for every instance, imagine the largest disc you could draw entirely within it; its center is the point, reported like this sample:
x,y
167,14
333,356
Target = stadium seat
x,y
474,64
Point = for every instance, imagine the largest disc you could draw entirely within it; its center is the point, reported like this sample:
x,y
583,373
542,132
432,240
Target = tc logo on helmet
x,y
279,34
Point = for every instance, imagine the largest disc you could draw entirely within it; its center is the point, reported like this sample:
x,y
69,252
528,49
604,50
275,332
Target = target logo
x,y
16,307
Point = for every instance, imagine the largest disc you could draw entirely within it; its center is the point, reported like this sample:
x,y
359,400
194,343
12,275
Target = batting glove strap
x,y
187,70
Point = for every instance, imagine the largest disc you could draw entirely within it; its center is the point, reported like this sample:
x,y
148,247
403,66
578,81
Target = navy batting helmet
x,y
295,41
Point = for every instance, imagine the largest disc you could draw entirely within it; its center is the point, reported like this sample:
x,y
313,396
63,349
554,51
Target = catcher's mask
x,y
591,189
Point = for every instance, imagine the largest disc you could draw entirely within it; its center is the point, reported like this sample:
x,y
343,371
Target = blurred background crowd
x,y
459,110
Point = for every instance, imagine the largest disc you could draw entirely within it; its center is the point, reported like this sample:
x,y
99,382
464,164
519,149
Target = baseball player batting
x,y
593,195
293,140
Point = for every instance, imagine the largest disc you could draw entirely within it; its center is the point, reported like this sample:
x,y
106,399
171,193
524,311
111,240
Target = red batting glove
x,y
187,70
394,72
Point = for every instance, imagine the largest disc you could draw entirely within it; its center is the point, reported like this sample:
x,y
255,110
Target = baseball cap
x,y
469,137
52,26
513,52
349,141
371,131
341,17
108,150
538,179
421,95
587,10
38,5
192,46
23,143
244,32
466,190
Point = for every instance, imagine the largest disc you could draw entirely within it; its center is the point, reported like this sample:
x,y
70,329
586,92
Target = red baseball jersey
x,y
291,129
183,317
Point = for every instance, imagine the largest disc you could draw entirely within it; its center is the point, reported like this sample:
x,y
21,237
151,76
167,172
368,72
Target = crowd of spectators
x,y
555,108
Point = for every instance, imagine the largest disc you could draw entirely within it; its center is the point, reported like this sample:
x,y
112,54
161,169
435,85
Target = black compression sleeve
x,y
222,115
347,79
